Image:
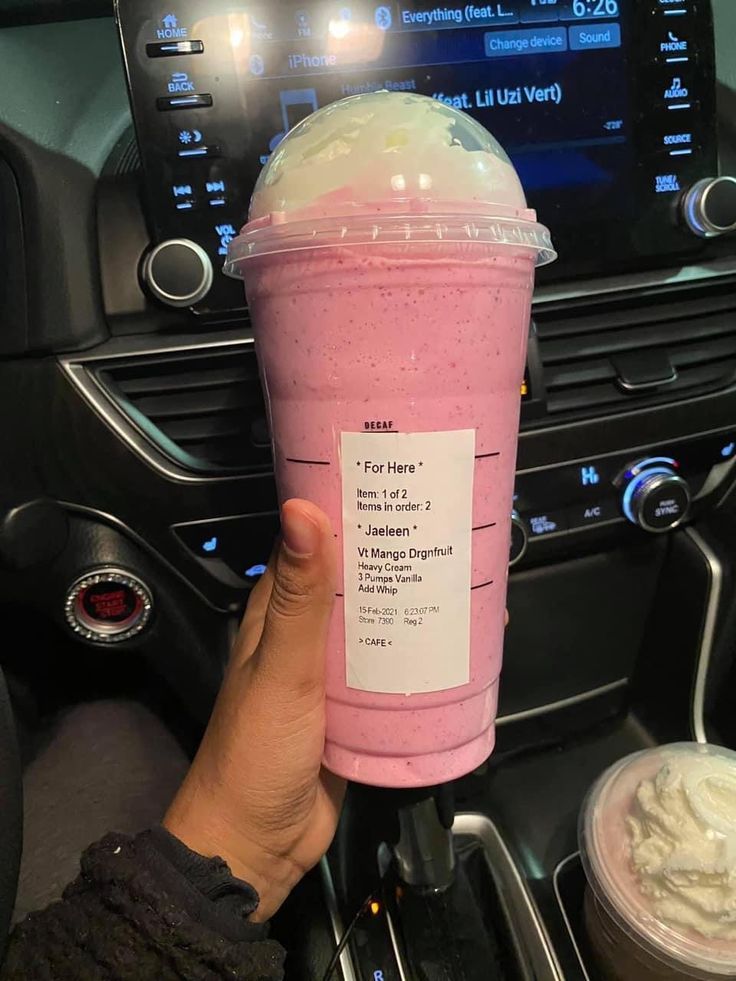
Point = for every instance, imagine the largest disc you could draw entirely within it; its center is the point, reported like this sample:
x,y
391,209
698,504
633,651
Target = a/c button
x,y
592,513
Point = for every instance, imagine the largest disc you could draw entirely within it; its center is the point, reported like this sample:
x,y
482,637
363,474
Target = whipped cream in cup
x,y
658,844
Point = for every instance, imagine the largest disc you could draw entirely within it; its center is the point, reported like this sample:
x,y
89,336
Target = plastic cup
x,y
656,906
389,264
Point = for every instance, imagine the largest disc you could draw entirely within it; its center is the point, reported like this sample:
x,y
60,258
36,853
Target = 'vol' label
x,y
407,502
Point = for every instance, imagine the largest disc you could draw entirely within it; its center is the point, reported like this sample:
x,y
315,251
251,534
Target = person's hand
x,y
256,794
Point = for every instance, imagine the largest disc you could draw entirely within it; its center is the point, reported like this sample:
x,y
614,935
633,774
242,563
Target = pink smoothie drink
x,y
391,332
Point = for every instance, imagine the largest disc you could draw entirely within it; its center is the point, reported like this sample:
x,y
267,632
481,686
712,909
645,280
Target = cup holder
x,y
570,884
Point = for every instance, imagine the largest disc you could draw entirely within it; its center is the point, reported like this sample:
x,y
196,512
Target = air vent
x,y
683,343
205,411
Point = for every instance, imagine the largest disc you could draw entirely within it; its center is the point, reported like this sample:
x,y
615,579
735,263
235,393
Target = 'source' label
x,y
407,502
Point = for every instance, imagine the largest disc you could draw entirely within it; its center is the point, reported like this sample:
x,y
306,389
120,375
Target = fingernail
x,y
300,533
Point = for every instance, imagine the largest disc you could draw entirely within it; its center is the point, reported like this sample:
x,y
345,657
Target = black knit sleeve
x,y
146,908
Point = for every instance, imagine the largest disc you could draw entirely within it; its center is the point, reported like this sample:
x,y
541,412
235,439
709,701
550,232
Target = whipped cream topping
x,y
386,146
682,832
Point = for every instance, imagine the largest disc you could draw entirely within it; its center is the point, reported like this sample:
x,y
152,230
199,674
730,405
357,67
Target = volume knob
x,y
710,206
178,272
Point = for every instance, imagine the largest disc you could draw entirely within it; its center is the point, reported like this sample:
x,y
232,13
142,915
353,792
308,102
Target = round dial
x,y
710,206
656,497
178,272
519,539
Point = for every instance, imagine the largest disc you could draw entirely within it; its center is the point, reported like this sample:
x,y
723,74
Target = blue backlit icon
x,y
257,65
378,976
181,190
214,186
189,136
541,524
666,183
225,233
728,450
383,18
676,90
170,28
210,545
589,476
180,82
255,571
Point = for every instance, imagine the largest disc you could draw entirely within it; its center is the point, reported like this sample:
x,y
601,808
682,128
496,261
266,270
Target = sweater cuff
x,y
206,888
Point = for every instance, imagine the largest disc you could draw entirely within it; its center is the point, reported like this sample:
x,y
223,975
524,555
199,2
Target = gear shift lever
x,y
424,851
429,922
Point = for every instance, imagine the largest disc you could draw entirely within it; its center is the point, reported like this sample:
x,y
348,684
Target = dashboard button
x,y
193,152
108,606
674,89
243,543
672,8
170,49
584,515
681,140
674,45
198,100
665,504
546,523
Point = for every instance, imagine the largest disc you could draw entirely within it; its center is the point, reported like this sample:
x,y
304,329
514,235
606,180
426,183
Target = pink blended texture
x,y
434,338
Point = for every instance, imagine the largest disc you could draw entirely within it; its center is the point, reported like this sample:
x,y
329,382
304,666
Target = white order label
x,y
407,503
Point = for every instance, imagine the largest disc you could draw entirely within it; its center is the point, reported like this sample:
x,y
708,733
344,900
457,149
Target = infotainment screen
x,y
548,79
606,107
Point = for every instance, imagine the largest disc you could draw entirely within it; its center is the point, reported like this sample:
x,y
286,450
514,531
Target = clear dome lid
x,y
658,843
387,167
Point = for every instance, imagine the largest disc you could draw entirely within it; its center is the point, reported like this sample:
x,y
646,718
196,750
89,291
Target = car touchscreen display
x,y
606,107
547,77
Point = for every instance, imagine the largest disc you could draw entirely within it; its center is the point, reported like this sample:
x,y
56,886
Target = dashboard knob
x,y
178,272
710,206
655,497
519,539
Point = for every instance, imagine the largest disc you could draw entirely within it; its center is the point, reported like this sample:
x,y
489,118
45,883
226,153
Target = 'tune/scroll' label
x,y
407,502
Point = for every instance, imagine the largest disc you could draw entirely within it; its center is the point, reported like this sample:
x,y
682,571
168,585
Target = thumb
x,y
292,647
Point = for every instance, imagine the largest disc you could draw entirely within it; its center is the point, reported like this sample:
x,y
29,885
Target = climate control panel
x,y
656,489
